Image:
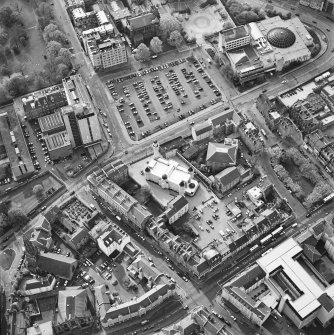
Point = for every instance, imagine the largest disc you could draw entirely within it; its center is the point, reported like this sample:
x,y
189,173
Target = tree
x,y
142,53
5,71
168,23
228,25
227,71
17,217
4,95
144,194
52,49
64,56
156,45
8,52
38,190
62,70
52,33
7,18
3,223
3,37
17,85
175,39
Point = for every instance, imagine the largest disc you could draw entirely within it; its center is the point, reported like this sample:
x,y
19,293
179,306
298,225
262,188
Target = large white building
x,y
273,44
234,38
292,279
171,175
103,47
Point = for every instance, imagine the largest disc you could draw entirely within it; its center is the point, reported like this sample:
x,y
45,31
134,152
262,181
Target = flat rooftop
x,y
57,140
282,258
15,144
234,33
51,121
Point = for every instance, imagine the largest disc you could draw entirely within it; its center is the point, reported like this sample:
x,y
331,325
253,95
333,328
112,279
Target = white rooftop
x,y
300,95
282,257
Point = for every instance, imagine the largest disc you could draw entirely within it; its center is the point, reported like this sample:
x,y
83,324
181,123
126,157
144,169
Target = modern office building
x,y
104,48
59,145
292,279
42,102
82,125
234,38
51,123
269,45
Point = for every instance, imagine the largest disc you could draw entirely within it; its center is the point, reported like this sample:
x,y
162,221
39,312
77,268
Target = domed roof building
x,y
281,37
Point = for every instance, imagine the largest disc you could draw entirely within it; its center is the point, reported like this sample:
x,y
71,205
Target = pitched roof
x,y
72,303
141,20
203,127
326,302
249,277
176,205
221,153
57,264
228,175
102,300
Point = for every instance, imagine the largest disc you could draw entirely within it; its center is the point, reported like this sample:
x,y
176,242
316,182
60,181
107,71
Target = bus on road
x,y
266,239
329,198
264,134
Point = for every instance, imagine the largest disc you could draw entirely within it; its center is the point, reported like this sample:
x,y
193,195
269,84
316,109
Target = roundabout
x,y
202,23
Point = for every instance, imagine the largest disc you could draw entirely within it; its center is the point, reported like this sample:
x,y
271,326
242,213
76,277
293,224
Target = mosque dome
x,y
281,37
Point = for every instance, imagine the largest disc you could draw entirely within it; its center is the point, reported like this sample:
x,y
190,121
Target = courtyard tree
x,y
228,25
175,39
3,37
17,85
144,195
17,217
64,56
4,223
52,33
156,45
5,70
38,190
142,53
169,23
4,95
52,49
7,17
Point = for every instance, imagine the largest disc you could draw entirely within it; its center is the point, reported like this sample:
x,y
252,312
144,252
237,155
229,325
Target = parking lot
x,y
156,97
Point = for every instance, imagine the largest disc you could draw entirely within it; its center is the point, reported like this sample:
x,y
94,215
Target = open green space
x,y
6,258
26,199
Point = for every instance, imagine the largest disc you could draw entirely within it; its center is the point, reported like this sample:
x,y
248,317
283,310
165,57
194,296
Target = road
x,y
195,293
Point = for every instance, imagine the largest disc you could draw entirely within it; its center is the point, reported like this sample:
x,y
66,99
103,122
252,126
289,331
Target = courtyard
x,y
150,100
26,199
207,213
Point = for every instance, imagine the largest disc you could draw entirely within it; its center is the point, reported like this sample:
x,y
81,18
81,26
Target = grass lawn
x,y
6,258
25,199
31,58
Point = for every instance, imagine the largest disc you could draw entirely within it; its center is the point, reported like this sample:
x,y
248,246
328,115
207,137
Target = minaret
x,y
191,172
147,172
163,181
182,188
156,149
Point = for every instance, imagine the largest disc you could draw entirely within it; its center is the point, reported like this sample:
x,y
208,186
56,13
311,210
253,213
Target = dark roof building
x,y
58,265
51,123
